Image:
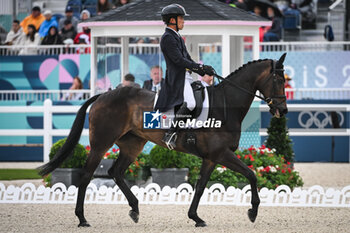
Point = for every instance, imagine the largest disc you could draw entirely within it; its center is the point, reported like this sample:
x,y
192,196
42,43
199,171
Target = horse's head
x,y
272,87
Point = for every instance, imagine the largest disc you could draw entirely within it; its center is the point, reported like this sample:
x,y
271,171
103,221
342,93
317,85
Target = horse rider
x,y
176,92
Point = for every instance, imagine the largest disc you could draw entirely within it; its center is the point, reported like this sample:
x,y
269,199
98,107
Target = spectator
x,y
129,81
84,40
47,24
85,34
241,4
76,85
103,6
120,3
84,15
69,16
207,80
53,37
15,34
274,33
154,84
30,40
36,18
68,31
289,93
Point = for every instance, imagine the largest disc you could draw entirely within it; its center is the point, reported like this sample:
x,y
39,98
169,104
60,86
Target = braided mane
x,y
244,66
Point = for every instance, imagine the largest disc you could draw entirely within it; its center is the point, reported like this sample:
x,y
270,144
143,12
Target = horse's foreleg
x,y
206,170
130,147
117,172
91,164
230,160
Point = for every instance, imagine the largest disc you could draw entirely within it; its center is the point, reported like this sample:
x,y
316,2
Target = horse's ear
x,y
281,60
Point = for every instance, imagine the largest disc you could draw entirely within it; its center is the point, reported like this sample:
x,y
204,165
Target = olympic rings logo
x,y
317,119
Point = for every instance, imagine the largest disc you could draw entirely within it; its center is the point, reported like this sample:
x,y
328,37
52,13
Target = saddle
x,y
199,95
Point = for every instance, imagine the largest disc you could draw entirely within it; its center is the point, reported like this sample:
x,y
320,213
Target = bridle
x,y
271,100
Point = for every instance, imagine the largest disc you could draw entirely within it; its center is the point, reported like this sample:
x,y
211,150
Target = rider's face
x,y
180,22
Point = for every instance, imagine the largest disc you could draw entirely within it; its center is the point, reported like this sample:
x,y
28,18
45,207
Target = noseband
x,y
270,101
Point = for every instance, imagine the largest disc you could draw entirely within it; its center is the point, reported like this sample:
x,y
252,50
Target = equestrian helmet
x,y
172,11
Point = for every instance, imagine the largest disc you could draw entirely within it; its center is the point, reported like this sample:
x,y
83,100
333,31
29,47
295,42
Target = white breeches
x,y
188,92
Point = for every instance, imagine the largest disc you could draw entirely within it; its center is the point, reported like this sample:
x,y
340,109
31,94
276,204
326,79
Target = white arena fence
x,y
314,196
48,132
58,95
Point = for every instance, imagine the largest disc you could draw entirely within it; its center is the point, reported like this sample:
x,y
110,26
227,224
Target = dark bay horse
x,y
116,118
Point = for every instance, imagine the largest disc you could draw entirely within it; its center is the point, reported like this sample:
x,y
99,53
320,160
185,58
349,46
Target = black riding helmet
x,y
172,11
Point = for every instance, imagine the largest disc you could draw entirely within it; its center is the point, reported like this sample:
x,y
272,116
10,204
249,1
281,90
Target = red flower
x,y
238,156
251,148
118,150
283,171
251,166
114,150
289,170
267,169
246,156
223,167
88,148
288,163
107,154
130,170
251,157
137,163
263,147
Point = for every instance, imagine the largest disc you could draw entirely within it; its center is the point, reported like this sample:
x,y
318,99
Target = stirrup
x,y
171,141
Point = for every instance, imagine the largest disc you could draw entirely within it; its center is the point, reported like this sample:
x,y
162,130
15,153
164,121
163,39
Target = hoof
x,y
134,216
84,224
201,224
252,215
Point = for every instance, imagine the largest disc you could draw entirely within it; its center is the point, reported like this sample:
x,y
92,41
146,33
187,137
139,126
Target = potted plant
x,y
70,170
169,167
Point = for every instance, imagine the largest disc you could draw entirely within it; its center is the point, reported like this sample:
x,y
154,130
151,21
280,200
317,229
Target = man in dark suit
x,y
177,59
156,81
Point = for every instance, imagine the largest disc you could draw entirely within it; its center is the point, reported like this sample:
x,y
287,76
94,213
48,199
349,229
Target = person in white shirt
x,y
15,34
30,41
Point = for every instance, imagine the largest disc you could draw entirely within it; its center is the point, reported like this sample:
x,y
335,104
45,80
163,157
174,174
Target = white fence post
x,y
47,129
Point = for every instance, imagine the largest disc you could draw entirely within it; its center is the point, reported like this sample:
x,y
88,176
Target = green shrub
x,y
161,157
76,160
278,138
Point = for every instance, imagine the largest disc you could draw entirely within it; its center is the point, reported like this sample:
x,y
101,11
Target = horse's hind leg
x,y
230,160
91,164
206,170
130,147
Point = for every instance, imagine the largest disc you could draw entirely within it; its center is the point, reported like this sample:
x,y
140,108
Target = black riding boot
x,y
171,135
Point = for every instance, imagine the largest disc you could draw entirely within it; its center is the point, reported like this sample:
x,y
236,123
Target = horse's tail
x,y
71,142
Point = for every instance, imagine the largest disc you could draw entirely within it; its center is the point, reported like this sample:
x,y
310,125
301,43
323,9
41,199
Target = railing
x,y
320,131
47,132
154,48
41,95
80,49
64,95
318,93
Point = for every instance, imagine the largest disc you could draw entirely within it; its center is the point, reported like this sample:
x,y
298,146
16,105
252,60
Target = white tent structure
x,y
209,21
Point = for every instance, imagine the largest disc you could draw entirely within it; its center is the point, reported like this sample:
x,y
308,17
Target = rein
x,y
268,100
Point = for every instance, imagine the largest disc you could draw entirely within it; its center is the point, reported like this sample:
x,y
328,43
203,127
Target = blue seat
x,y
76,6
91,6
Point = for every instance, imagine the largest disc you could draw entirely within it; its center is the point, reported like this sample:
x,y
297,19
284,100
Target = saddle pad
x,y
169,115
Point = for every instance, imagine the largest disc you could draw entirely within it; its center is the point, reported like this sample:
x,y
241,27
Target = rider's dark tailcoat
x,y
177,60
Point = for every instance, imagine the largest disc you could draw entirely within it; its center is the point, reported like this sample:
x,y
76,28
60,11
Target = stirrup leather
x,y
171,139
